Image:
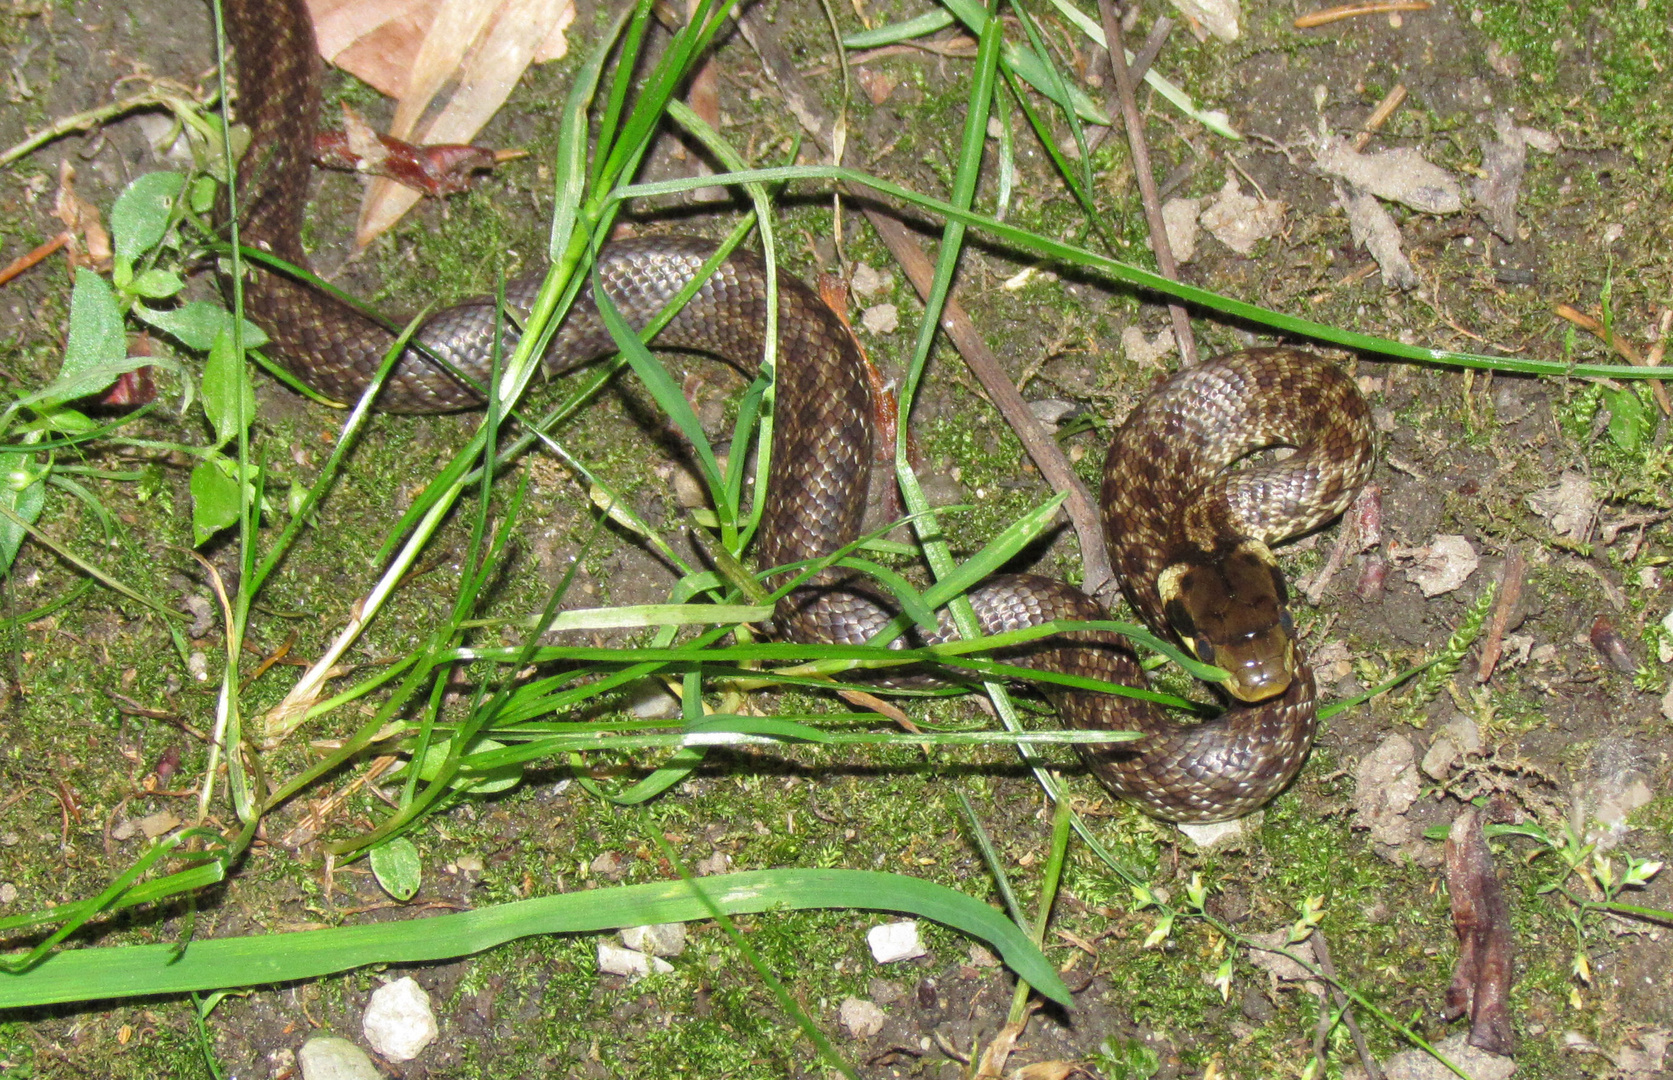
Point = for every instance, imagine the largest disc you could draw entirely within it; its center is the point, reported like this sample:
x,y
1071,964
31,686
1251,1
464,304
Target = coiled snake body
x,y
1188,536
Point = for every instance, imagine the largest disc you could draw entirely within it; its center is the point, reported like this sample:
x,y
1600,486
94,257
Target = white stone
x,y
615,960
663,939
398,1022
1221,835
881,319
895,941
862,1018
327,1057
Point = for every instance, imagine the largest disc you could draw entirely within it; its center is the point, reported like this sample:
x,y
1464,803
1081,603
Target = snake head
x,y
1230,607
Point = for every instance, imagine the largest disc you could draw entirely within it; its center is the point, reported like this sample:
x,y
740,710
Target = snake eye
x,y
1204,651
1286,620
1180,619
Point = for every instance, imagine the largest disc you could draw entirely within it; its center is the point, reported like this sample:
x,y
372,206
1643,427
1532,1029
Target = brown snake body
x,y
1187,558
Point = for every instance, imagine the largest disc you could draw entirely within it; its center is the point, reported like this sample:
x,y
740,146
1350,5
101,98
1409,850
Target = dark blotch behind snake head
x,y
1231,608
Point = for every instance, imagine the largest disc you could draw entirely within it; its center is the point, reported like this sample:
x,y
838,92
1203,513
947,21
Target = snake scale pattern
x,y
1188,534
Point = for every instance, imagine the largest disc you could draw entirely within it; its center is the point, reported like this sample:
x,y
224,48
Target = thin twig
x,y
1379,116
1349,11
1147,182
1322,951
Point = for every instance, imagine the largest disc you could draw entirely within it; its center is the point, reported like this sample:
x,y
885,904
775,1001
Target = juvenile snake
x,y
1188,536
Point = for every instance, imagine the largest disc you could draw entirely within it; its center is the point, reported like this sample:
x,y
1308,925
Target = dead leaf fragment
x,y
1241,221
1373,229
1218,17
411,49
1179,219
1401,175
1569,506
1502,163
155,825
1442,566
1385,787
1481,979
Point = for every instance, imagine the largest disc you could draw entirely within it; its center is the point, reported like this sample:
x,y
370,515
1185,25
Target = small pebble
x,y
615,960
663,939
895,941
330,1058
398,1022
862,1018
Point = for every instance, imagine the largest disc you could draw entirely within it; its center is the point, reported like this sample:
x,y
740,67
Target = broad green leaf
x,y
195,325
214,499
203,195
1627,414
23,492
266,959
157,284
96,343
396,865
140,216
228,400
499,778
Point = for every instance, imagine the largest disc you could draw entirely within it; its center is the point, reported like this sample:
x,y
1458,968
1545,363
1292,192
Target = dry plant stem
x,y
1147,182
1624,348
1322,950
285,716
1041,448
1379,116
33,258
1349,11
161,92
1142,60
1510,591
1481,918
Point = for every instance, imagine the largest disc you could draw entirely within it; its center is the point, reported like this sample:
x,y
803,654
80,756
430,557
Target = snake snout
x,y
1261,665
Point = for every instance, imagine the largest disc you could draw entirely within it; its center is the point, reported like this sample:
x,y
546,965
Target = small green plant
x,y
1603,880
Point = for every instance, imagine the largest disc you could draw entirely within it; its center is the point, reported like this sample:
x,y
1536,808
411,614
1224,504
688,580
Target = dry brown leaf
x,y
411,49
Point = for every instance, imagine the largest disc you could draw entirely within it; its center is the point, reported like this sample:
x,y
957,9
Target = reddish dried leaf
x,y
1481,982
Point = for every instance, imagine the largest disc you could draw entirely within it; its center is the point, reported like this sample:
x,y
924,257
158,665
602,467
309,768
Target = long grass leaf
x,y
148,970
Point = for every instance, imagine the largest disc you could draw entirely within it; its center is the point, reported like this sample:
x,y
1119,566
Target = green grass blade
x,y
261,960
1144,279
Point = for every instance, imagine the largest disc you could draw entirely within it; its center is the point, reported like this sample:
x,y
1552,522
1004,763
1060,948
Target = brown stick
x,y
1628,353
960,330
1510,591
1322,950
1147,182
1349,11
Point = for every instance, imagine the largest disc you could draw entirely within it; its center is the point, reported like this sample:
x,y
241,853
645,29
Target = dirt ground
x,y
1474,470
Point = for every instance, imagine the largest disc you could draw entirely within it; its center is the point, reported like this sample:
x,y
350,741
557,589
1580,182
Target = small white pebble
x,y
615,960
664,939
895,941
330,1058
862,1018
881,319
398,1022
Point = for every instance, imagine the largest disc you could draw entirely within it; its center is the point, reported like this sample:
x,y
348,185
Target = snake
x,y
1190,516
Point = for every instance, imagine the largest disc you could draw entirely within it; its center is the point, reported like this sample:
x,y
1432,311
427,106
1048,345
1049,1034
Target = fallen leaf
x,y
1569,506
1373,229
1241,221
1481,978
1442,566
411,49
1400,175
